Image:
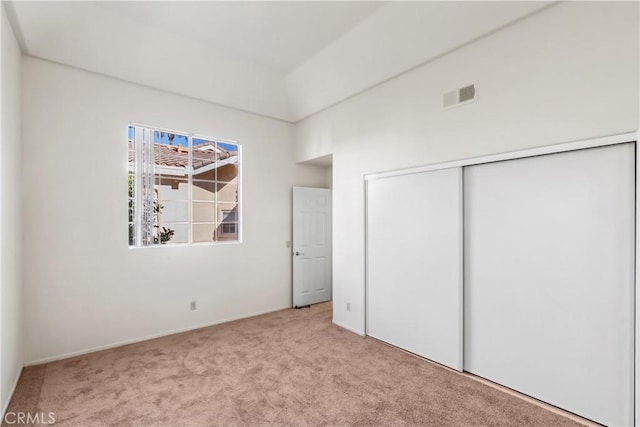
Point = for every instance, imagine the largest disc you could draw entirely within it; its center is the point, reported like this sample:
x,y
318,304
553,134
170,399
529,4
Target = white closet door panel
x,y
549,278
414,259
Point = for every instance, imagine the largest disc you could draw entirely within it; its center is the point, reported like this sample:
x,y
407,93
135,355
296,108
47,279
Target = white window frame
x,y
168,170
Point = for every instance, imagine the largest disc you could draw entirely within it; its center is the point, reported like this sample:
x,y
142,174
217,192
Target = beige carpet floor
x,y
292,367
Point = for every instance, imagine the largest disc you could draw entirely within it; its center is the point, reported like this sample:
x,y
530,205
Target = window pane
x,y
131,161
132,185
132,210
229,216
188,188
227,193
131,158
203,212
227,211
171,154
132,234
228,227
168,211
228,162
203,159
143,188
131,195
204,190
203,232
227,172
172,188
227,231
229,147
171,233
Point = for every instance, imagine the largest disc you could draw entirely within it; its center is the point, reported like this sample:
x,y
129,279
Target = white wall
x,y
148,55
10,236
329,177
84,288
393,39
314,137
150,48
567,73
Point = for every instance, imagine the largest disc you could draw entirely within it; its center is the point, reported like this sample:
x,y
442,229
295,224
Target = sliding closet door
x,y
549,278
414,263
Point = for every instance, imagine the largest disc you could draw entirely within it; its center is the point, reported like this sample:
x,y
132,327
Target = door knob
x,y
298,253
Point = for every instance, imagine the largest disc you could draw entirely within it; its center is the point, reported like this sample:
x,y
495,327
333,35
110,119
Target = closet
x,y
414,262
520,271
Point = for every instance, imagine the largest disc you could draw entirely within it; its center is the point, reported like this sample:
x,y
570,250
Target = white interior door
x,y
549,278
414,263
311,245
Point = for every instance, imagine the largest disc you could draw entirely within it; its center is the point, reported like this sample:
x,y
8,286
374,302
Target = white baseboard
x,y
146,338
349,328
5,404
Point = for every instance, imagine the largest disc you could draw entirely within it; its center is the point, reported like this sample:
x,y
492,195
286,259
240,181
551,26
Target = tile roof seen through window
x,y
204,154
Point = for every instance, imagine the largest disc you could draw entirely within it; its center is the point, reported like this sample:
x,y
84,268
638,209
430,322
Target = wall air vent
x,y
460,96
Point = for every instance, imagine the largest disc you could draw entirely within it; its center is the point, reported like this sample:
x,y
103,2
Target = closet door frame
x,y
632,137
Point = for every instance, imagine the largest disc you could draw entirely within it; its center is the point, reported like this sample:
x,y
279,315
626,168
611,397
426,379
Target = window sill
x,y
186,245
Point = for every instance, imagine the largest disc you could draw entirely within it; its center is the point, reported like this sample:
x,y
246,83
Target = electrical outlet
x,y
348,306
194,305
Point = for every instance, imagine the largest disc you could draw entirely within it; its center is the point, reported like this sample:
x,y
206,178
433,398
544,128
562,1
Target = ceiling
x,y
286,60
279,35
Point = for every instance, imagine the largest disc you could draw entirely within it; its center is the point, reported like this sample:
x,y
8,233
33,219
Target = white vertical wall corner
x,y
11,357
637,290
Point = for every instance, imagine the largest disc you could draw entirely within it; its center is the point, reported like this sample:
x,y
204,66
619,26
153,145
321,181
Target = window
x,y
229,222
183,188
